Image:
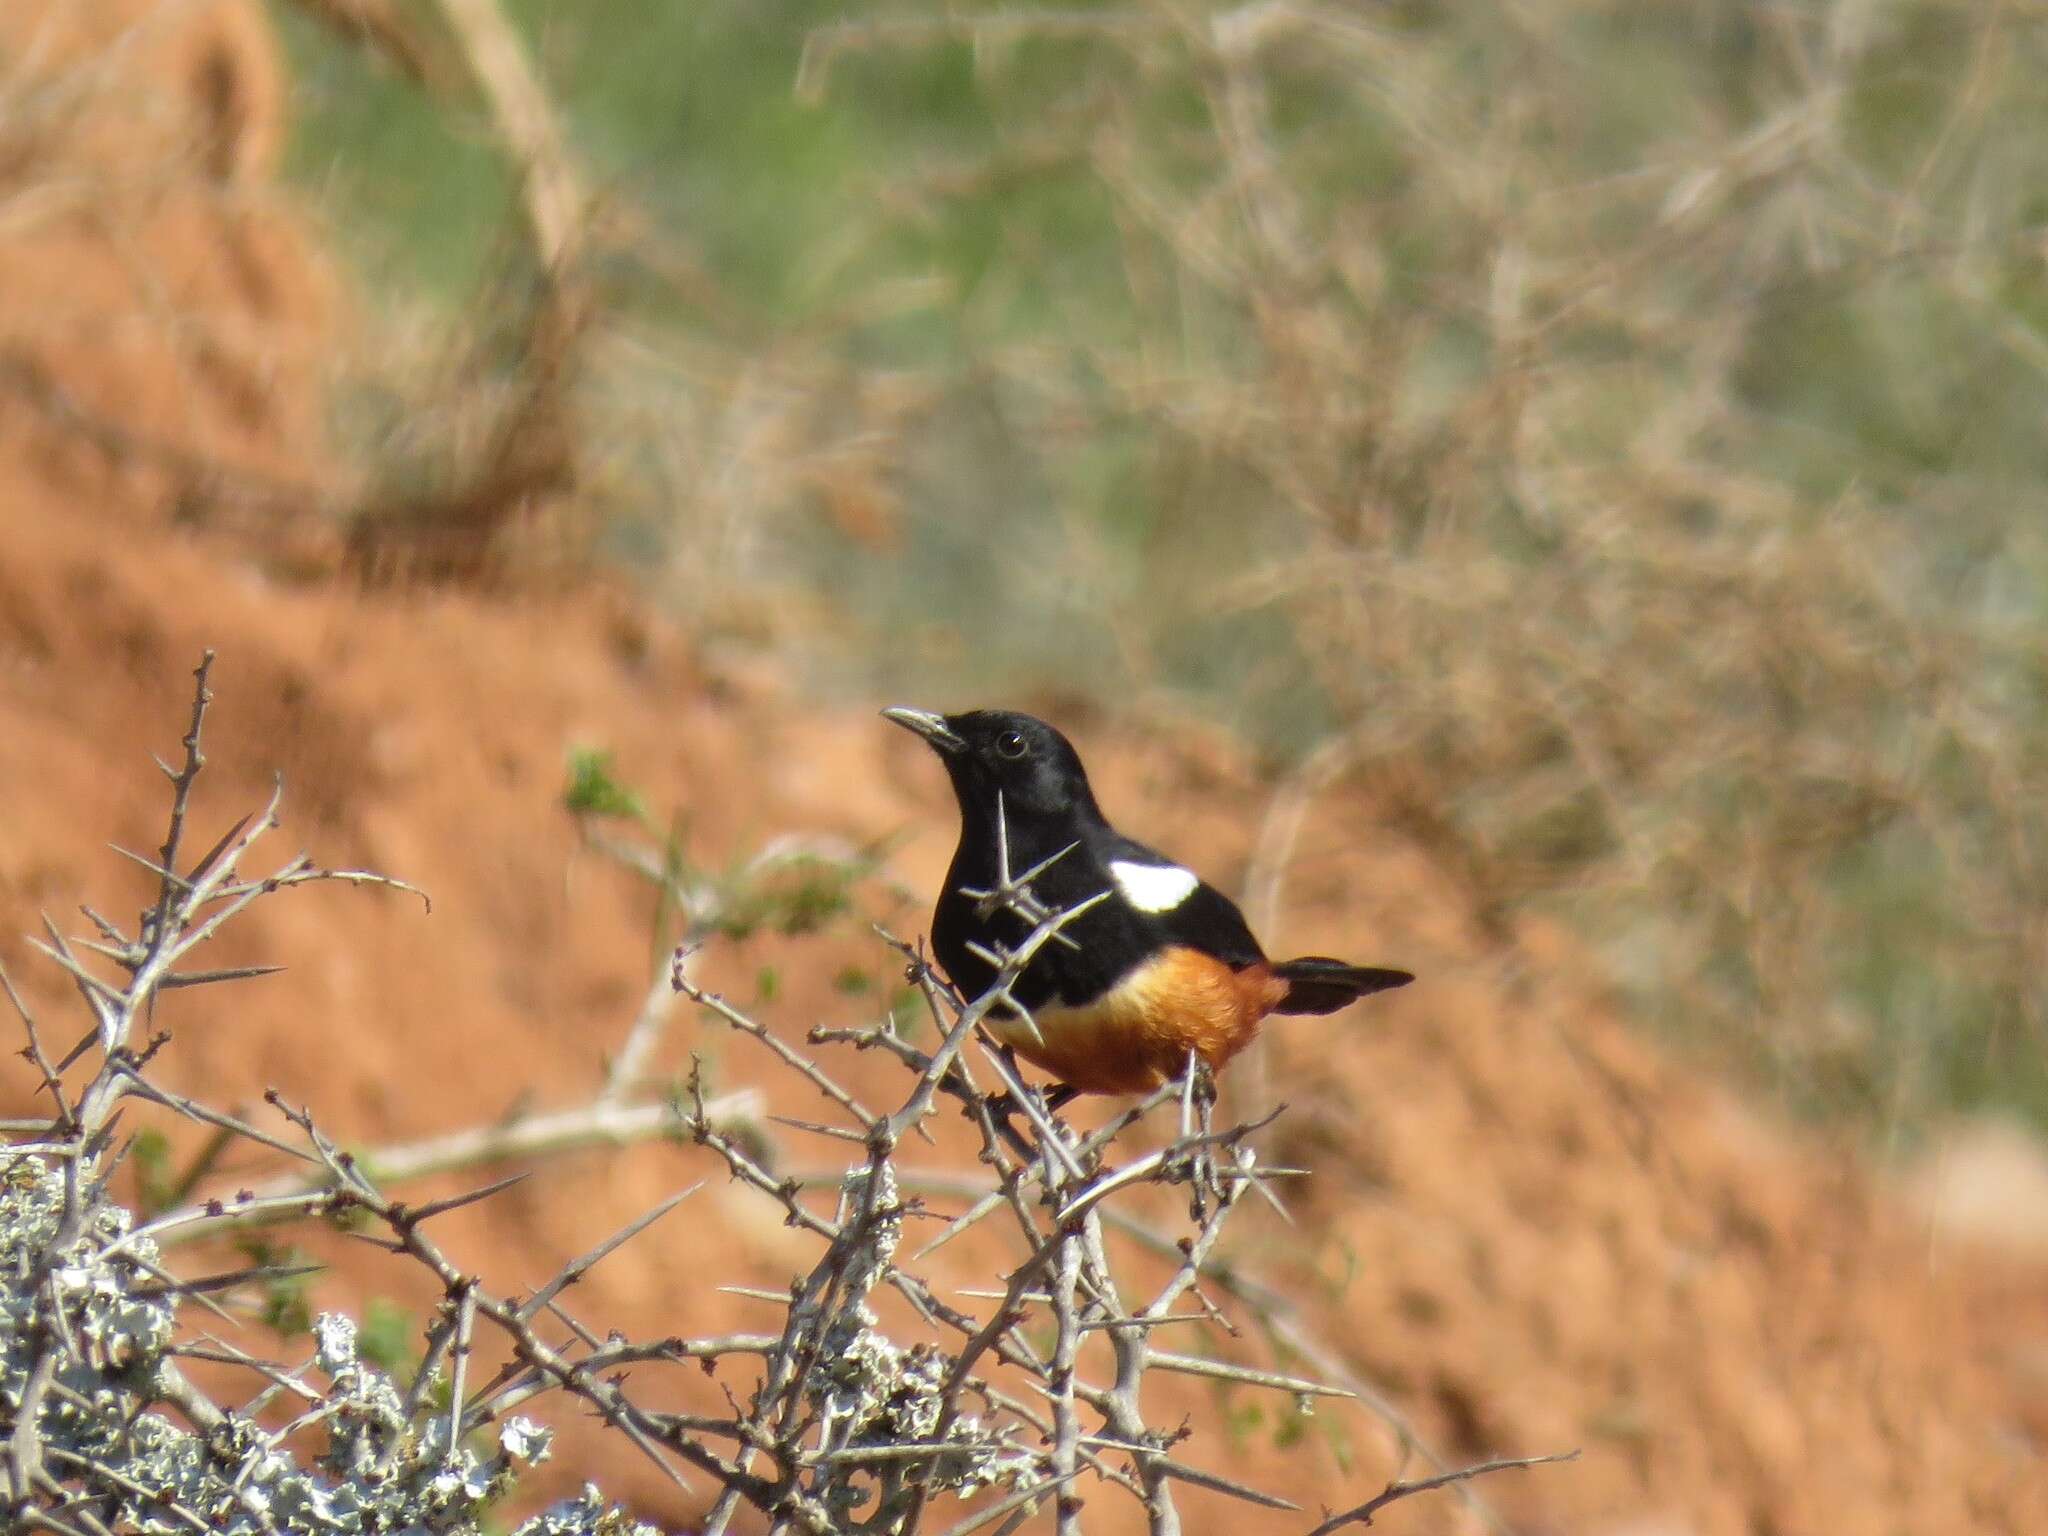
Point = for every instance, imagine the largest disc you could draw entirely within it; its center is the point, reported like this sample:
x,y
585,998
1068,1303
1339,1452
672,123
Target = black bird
x,y
1162,966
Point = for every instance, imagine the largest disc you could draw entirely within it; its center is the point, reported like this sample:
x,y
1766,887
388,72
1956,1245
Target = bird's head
x,y
995,751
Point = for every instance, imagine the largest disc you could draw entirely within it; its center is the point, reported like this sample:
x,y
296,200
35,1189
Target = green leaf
x,y
287,1300
386,1334
593,790
907,1012
151,1155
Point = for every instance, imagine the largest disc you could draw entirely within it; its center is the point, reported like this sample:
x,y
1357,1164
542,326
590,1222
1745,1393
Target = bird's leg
x,y
1054,1096
1002,1106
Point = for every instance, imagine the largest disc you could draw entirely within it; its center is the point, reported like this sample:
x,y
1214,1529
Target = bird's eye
x,y
1010,744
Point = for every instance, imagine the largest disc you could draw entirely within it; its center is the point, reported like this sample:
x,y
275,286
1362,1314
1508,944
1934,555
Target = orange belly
x,y
1138,1034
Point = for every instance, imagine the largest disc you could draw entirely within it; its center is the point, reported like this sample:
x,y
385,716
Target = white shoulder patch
x,y
1153,887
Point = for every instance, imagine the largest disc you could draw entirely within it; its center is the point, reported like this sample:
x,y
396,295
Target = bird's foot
x,y
1002,1107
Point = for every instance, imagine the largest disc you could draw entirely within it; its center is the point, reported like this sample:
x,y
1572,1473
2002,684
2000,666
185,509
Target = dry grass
x,y
1626,419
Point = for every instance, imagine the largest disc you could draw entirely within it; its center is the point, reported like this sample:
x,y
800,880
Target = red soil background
x,y
1527,1227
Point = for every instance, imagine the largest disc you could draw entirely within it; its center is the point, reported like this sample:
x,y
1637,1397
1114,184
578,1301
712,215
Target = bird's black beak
x,y
931,727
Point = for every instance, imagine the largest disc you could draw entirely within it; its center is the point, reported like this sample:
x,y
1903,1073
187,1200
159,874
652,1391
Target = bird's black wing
x,y
1210,921
1205,919
1101,945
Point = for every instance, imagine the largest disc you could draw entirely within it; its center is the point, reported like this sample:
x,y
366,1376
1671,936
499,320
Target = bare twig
x,y
837,1415
1361,1514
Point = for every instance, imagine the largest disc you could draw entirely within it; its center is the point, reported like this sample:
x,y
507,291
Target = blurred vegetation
x,y
1616,434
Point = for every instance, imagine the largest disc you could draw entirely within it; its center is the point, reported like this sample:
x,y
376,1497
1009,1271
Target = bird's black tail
x,y
1318,984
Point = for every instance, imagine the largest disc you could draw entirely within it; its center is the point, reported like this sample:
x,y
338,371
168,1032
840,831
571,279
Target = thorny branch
x,y
1022,1401
1362,1514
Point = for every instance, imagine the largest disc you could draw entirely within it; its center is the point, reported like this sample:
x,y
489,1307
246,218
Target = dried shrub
x,y
843,1426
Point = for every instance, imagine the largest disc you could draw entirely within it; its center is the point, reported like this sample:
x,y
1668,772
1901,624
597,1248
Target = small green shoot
x,y
594,789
